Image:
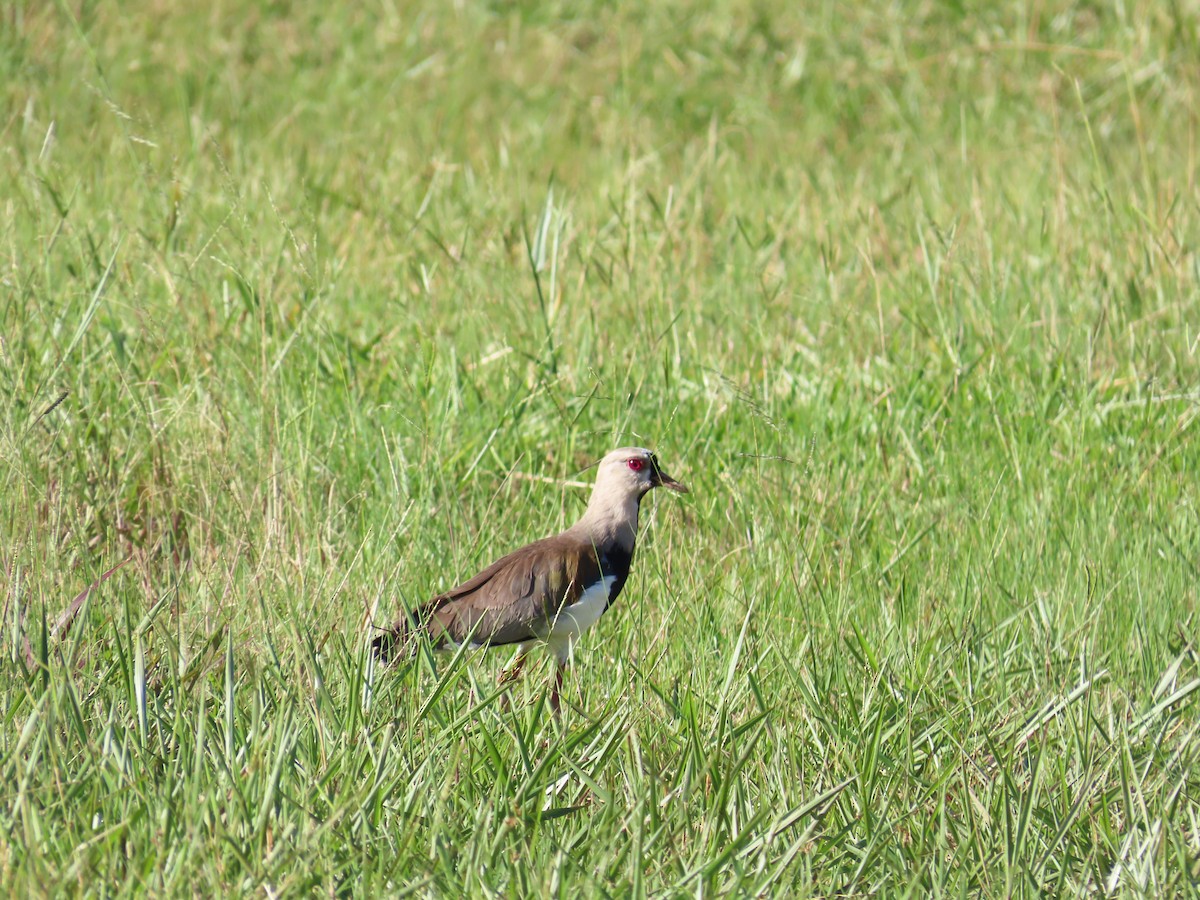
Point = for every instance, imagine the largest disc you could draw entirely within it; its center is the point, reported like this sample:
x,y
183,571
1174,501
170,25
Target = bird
x,y
551,591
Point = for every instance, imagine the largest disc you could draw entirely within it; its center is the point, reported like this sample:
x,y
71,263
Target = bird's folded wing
x,y
508,601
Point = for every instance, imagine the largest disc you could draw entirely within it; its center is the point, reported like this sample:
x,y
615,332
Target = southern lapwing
x,y
552,590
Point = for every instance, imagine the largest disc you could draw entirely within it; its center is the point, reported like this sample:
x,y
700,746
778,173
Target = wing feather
x,y
506,602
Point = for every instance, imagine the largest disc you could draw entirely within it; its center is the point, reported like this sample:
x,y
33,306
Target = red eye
x,y
635,464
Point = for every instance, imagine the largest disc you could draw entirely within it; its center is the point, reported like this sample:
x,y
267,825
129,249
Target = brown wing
x,y
507,601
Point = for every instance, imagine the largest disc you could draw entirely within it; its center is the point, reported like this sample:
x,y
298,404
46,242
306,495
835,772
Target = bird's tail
x,y
397,641
389,644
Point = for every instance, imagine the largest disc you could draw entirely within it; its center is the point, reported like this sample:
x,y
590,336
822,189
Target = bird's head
x,y
634,471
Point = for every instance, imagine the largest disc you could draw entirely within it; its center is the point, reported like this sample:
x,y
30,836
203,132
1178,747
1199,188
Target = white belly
x,y
573,620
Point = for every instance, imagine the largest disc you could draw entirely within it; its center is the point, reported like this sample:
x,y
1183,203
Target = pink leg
x,y
513,673
555,703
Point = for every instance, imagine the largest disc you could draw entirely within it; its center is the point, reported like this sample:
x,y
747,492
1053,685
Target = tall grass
x,y
307,313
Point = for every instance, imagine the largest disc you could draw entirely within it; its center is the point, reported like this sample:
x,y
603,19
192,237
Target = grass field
x,y
339,303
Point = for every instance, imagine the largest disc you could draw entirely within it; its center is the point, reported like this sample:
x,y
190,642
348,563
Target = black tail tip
x,y
384,645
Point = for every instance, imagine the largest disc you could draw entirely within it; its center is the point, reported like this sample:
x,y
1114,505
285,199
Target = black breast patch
x,y
616,562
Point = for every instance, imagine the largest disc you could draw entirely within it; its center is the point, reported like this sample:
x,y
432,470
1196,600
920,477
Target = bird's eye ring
x,y
635,464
